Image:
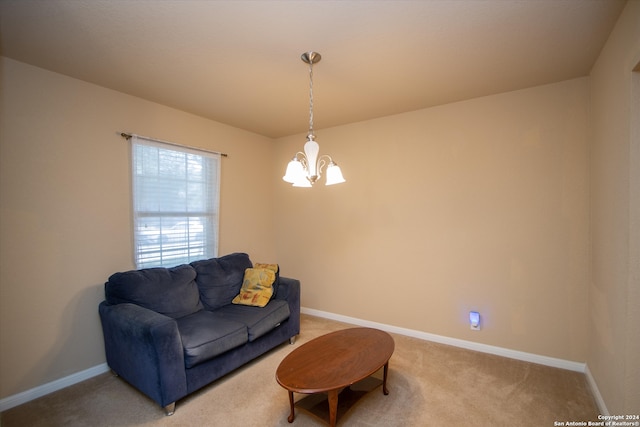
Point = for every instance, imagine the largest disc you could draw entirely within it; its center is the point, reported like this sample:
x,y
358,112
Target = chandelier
x,y
306,168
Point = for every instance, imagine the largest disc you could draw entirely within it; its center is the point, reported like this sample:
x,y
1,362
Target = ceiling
x,y
238,62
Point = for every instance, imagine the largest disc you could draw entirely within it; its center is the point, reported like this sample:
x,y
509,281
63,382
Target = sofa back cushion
x,y
169,291
220,279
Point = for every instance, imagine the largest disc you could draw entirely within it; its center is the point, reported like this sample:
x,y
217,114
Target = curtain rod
x,y
129,135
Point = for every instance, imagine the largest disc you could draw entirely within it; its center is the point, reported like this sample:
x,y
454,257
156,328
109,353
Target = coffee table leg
x,y
384,379
333,407
292,416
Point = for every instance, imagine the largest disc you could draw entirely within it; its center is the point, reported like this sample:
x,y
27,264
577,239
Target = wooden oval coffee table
x,y
334,361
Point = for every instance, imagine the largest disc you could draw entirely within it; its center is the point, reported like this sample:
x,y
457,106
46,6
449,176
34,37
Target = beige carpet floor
x,y
430,384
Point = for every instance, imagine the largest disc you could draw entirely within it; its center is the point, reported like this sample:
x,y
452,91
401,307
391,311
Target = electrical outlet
x,y
474,320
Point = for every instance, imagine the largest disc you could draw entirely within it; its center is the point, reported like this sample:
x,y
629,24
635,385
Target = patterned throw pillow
x,y
273,267
257,287
276,269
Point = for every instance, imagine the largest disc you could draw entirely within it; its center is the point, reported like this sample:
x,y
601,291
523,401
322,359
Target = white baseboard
x,y
469,345
34,393
596,392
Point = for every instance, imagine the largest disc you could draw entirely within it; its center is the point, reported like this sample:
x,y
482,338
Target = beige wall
x,y
65,211
478,205
614,293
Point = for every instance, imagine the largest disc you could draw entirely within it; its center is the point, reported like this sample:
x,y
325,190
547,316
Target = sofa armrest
x,y
145,349
289,290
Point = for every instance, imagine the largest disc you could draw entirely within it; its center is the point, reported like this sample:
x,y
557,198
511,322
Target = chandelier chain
x,y
311,98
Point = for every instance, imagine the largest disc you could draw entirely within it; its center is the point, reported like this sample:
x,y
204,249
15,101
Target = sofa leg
x,y
292,340
114,373
170,409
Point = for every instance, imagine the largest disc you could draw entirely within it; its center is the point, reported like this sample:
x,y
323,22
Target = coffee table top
x,y
335,360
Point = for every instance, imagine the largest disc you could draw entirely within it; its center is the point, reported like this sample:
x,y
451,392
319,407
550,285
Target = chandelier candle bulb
x,y
306,168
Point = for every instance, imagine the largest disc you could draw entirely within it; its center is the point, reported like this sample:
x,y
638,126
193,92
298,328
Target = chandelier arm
x,y
326,156
322,162
302,158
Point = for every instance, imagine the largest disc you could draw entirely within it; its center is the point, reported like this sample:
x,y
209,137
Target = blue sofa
x,y
171,331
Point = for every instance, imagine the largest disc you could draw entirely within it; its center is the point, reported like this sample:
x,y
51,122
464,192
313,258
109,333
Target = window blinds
x,y
175,203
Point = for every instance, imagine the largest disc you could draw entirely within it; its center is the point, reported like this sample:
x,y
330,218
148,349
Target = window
x,y
175,203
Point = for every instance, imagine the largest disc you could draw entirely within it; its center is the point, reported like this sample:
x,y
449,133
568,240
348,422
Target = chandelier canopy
x,y
306,168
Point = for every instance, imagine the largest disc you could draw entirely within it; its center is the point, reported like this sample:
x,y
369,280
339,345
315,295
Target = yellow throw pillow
x,y
257,287
276,269
273,267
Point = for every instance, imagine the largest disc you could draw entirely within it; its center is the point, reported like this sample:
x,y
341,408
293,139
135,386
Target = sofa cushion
x,y
169,291
219,279
259,320
204,336
256,288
